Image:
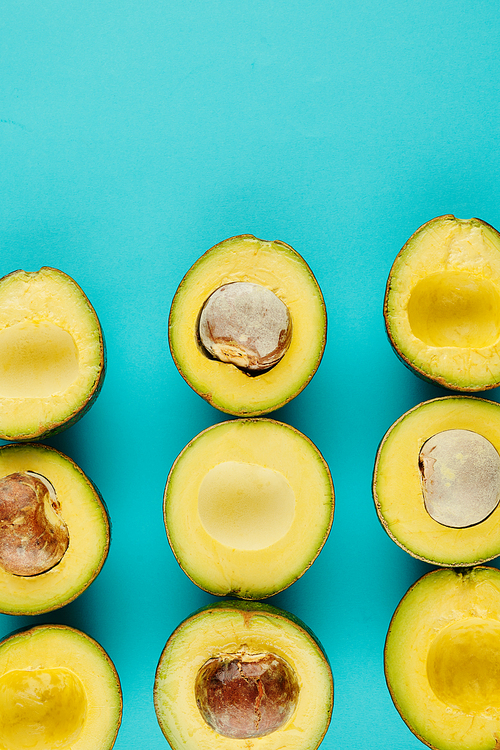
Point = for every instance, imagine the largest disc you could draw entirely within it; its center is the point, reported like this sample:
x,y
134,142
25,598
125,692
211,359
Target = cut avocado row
x,y
437,491
248,506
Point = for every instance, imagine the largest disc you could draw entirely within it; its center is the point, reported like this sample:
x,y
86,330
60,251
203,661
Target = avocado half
x,y
73,502
284,699
52,355
399,481
277,267
442,303
248,506
442,659
58,689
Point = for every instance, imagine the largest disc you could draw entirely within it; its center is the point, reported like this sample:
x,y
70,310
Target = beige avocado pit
x,y
52,356
58,690
442,303
248,506
247,326
436,481
442,659
242,674
54,529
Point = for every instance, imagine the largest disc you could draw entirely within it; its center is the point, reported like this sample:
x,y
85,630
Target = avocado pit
x,y
460,477
245,324
33,535
243,695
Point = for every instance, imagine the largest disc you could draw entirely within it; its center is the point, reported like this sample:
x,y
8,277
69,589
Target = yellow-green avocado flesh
x,y
442,659
442,303
236,627
58,690
277,267
397,483
86,518
248,506
52,354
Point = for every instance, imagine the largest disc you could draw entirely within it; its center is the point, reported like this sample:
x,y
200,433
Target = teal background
x,y
135,136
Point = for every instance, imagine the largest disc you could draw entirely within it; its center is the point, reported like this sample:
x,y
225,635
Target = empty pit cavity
x,y
37,359
460,477
41,709
455,309
463,665
245,506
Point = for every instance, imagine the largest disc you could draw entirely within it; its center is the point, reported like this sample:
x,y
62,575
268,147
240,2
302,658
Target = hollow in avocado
x,y
58,689
442,303
248,506
442,659
52,355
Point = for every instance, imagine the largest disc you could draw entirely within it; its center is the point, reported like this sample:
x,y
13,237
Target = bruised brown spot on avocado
x,y
243,695
460,475
33,535
246,325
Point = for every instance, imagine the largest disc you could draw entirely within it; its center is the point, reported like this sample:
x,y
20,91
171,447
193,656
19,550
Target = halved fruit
x,y
54,529
247,325
58,689
241,674
442,303
436,482
248,506
442,659
52,354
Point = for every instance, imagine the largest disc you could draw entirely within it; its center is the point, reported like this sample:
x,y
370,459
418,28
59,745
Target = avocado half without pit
x,y
247,325
436,482
52,354
442,659
58,689
243,674
54,529
442,303
248,506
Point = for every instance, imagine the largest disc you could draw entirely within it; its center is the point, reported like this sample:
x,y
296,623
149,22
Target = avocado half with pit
x,y
436,482
52,354
54,529
58,689
241,674
247,325
248,506
442,659
442,303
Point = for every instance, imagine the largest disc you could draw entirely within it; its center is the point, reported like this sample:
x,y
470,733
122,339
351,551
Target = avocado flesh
x,y
442,659
230,627
277,267
51,353
58,689
442,304
87,522
232,536
397,483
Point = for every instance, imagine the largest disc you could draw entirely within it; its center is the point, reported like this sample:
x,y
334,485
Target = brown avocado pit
x,y
243,695
246,325
460,475
33,535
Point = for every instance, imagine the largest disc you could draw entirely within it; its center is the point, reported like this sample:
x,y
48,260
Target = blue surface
x,y
134,136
